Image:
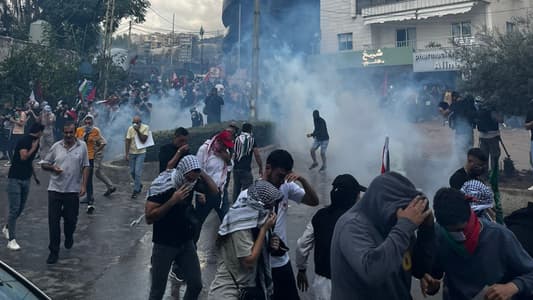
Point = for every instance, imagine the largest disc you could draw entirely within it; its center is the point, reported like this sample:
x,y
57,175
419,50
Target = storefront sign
x,y
373,58
436,60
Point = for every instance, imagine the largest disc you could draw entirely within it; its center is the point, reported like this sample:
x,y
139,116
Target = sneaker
x,y
69,242
7,164
90,209
5,231
110,191
176,277
314,165
12,245
52,258
530,188
134,195
322,169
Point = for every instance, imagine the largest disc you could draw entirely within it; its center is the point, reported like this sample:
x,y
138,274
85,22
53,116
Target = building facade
x,y
410,34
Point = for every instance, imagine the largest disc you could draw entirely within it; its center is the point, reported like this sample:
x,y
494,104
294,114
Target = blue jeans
x,y
17,193
136,169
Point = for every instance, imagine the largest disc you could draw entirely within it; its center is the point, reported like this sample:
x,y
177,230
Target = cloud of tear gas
x,y
167,114
357,122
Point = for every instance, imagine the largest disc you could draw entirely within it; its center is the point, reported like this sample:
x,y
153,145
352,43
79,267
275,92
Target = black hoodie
x,y
373,254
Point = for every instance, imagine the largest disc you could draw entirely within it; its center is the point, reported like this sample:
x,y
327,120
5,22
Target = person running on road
x,y
278,171
318,234
321,140
245,147
90,134
18,180
169,208
68,161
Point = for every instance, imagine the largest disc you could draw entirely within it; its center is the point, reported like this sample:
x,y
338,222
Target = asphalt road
x,y
111,259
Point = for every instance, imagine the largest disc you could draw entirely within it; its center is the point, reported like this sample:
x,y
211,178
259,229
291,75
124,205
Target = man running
x,y
321,140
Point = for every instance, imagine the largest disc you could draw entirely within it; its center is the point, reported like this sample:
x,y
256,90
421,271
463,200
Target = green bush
x,y
263,133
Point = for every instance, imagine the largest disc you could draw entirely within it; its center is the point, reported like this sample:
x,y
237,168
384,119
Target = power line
x,y
160,16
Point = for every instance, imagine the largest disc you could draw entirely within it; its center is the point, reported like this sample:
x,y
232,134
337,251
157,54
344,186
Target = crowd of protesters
x,y
368,244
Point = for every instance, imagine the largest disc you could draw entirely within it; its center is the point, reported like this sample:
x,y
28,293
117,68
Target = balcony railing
x,y
436,43
383,7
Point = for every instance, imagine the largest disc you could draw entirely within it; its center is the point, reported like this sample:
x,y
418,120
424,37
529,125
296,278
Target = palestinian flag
x,y
385,159
87,90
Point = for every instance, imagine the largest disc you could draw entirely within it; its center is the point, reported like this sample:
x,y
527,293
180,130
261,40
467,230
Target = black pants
x,y
185,256
90,192
220,205
284,283
242,179
64,205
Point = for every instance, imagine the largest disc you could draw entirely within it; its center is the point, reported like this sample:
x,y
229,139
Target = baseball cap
x,y
226,138
347,181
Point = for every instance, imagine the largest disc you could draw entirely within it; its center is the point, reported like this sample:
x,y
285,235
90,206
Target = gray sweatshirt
x,y
498,258
373,255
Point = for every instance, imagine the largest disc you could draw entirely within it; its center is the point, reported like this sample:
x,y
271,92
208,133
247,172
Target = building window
x,y
462,33
510,27
345,41
406,37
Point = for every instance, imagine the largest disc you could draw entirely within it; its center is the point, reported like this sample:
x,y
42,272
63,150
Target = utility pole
x,y
172,41
110,12
202,49
255,62
239,37
129,37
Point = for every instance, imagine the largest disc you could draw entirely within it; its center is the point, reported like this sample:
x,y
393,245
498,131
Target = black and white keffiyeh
x,y
174,178
250,211
482,196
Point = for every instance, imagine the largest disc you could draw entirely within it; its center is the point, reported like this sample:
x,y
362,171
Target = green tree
x,y
77,24
56,71
500,68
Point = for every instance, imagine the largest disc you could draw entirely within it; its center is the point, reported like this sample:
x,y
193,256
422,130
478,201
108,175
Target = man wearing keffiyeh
x,y
243,237
478,257
169,209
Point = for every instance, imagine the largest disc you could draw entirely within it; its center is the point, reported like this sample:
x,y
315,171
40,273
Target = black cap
x,y
347,181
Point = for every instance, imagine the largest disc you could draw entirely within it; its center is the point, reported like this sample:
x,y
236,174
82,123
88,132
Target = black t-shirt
x,y
246,162
22,169
462,119
165,155
529,118
180,223
459,178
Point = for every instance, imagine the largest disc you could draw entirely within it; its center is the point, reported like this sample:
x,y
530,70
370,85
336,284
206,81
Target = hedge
x,y
263,133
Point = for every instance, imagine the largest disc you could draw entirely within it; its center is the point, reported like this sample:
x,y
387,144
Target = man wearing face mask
x,y
479,258
135,156
374,249
91,136
475,167
319,232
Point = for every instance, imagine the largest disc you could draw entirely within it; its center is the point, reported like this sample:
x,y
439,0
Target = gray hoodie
x,y
373,254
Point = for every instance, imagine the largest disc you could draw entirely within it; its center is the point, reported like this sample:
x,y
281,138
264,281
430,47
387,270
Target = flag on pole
x,y
87,91
493,178
385,159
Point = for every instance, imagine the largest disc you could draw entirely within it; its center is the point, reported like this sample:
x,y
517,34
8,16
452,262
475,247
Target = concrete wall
x,y
337,16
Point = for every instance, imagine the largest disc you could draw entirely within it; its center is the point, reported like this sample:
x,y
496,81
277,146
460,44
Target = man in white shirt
x,y
215,158
136,156
278,171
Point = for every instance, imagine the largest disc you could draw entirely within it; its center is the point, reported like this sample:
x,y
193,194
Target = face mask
x,y
457,236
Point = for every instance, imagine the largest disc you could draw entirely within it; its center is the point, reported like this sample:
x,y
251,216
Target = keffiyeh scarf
x,y
480,195
174,178
249,211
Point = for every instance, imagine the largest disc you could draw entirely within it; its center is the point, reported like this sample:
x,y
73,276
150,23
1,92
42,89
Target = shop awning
x,y
373,17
